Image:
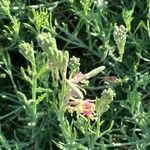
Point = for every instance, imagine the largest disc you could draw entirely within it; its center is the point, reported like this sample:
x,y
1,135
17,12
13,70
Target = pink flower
x,y
88,108
78,77
84,107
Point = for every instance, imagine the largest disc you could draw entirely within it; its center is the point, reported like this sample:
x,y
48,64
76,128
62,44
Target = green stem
x,y
63,94
12,81
98,128
120,144
34,86
76,31
97,134
52,4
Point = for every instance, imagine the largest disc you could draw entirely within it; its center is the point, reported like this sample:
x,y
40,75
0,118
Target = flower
x,y
88,108
78,77
72,93
81,107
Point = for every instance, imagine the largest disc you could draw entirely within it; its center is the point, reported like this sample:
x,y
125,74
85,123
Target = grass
x,y
74,75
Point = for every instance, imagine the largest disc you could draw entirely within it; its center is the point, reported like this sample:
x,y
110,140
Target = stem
x,y
97,134
52,4
63,94
120,144
34,86
98,128
76,31
12,81
63,122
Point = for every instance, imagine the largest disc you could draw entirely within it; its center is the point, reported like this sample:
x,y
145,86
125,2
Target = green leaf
x,y
11,113
134,99
25,76
27,51
41,98
28,26
23,99
3,142
102,104
40,90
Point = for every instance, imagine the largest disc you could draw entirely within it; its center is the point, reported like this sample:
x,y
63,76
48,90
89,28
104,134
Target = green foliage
x,y
127,17
4,142
74,75
12,33
120,39
102,104
4,8
27,51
